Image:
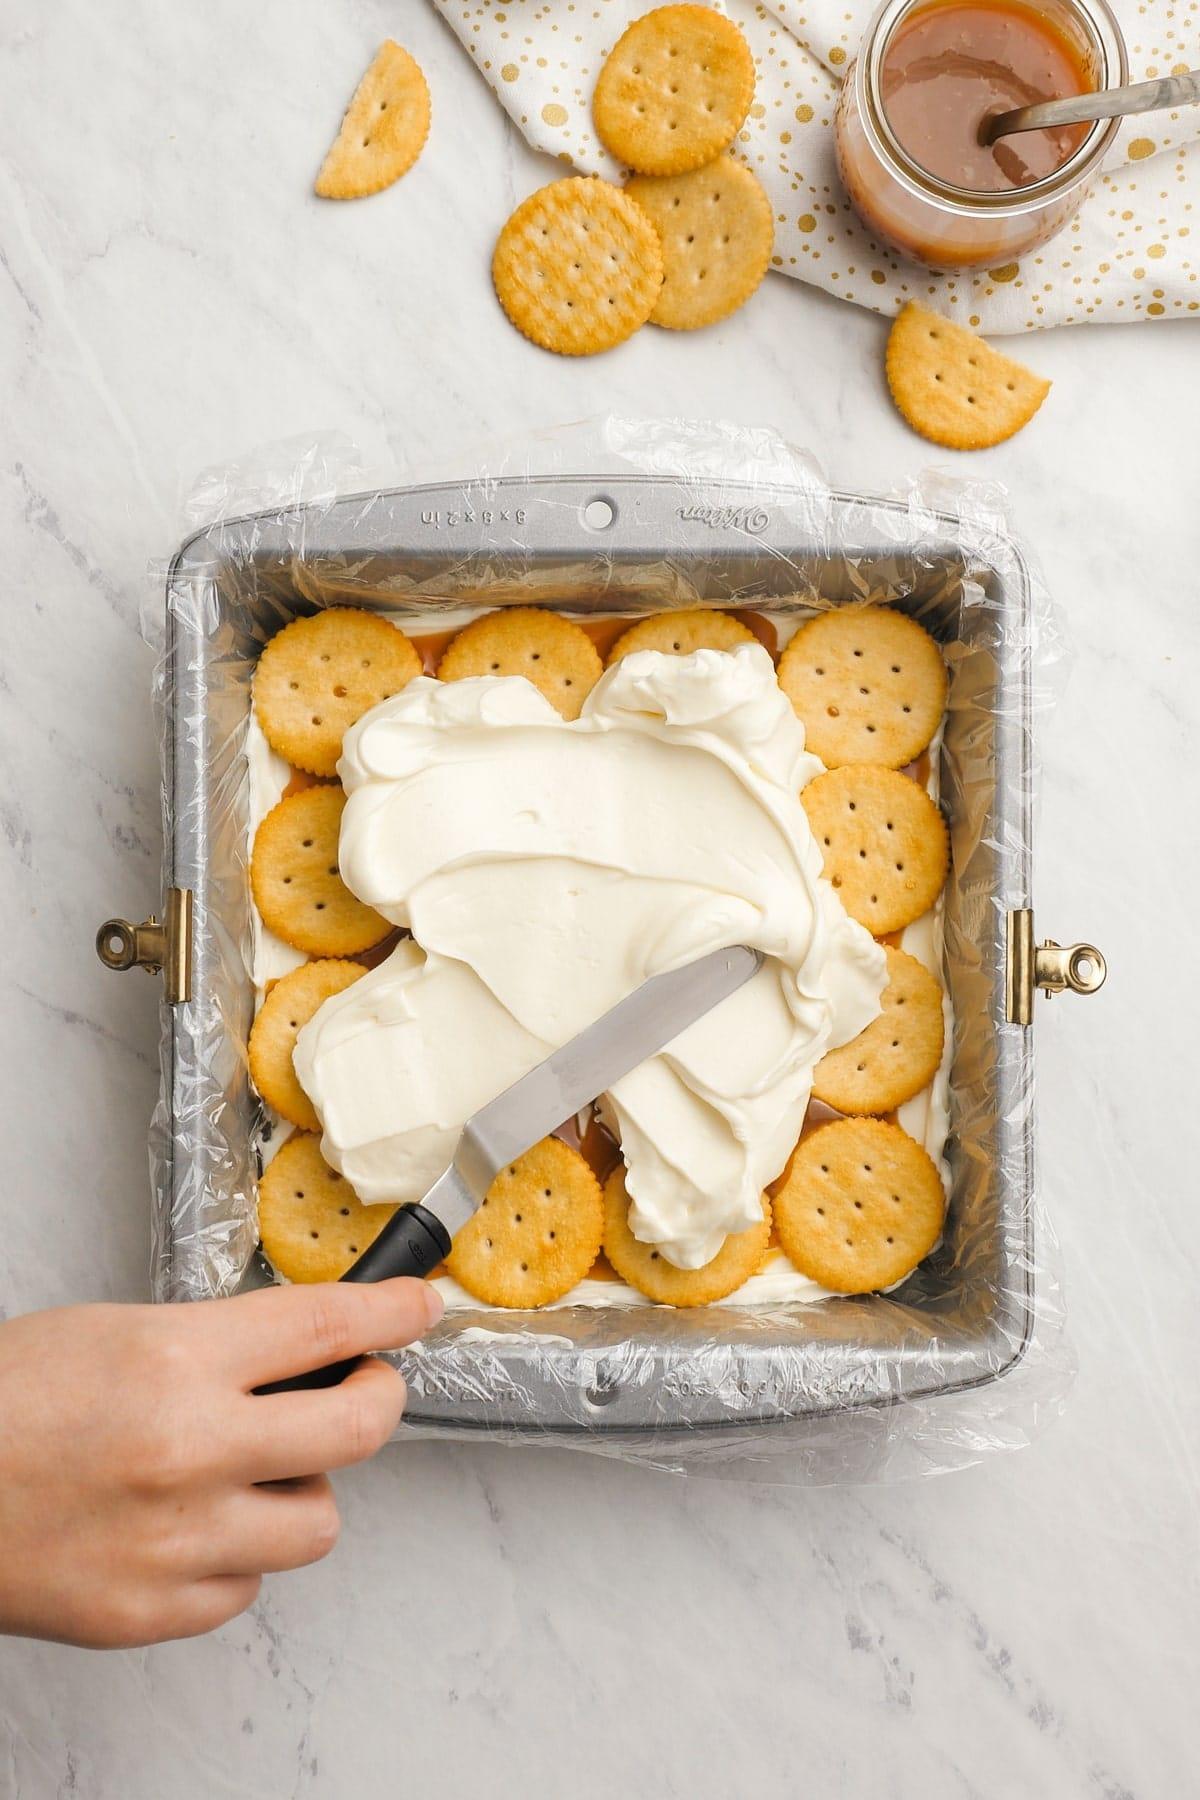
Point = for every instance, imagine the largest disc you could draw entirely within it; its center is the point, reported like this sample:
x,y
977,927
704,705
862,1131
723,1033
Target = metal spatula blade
x,y
556,1089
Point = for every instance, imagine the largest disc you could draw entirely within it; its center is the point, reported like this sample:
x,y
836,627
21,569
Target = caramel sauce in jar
x,y
954,64
928,75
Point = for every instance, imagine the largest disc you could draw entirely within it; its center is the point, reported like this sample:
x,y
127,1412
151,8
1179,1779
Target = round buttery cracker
x,y
556,655
536,1233
869,684
384,129
861,1205
679,633
899,1051
717,232
883,843
674,91
578,266
311,1222
648,1270
287,1009
319,675
953,388
296,882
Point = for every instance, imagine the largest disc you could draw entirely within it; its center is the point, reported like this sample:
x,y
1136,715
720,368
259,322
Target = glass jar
x,y
949,227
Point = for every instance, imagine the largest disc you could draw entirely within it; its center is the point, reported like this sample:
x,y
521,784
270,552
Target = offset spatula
x,y
418,1237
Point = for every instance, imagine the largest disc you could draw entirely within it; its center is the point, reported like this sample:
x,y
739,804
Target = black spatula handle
x,y
413,1242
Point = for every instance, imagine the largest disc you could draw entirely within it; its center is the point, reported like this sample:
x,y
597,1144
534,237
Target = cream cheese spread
x,y
544,868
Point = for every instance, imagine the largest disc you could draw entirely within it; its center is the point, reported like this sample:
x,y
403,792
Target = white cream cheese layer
x,y
545,869
926,1117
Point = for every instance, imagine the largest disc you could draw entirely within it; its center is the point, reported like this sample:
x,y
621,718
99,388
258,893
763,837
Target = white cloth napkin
x,y
1133,252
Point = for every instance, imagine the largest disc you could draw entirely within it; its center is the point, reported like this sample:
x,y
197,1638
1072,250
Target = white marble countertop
x,y
170,297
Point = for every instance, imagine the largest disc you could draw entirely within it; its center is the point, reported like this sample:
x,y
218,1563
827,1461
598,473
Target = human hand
x,y
145,1489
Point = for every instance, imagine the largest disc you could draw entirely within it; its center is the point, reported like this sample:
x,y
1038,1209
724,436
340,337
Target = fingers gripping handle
x,y
413,1242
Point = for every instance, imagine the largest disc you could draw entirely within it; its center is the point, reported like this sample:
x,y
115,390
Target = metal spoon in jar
x,y
1082,109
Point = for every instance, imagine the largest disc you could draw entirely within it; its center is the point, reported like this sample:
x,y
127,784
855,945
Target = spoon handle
x,y
1081,109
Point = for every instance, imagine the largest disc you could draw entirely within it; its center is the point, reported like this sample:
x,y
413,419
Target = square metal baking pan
x,y
635,544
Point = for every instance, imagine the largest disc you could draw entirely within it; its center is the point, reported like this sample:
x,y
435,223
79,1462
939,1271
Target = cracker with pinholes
x,y
952,387
319,675
555,654
537,1231
293,1000
647,1269
899,1051
384,129
679,633
862,1204
674,90
882,841
717,234
311,1222
297,885
578,266
869,684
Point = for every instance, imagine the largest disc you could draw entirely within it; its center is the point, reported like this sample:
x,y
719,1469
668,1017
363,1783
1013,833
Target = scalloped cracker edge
x,y
953,388
383,132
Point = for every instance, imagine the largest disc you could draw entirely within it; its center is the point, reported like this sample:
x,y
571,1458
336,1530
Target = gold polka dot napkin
x,y
1129,255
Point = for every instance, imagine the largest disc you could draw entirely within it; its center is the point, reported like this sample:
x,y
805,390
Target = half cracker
x,y
384,129
952,387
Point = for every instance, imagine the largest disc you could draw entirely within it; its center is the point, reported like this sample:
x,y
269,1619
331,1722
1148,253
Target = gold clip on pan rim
x,y
158,946
1055,968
